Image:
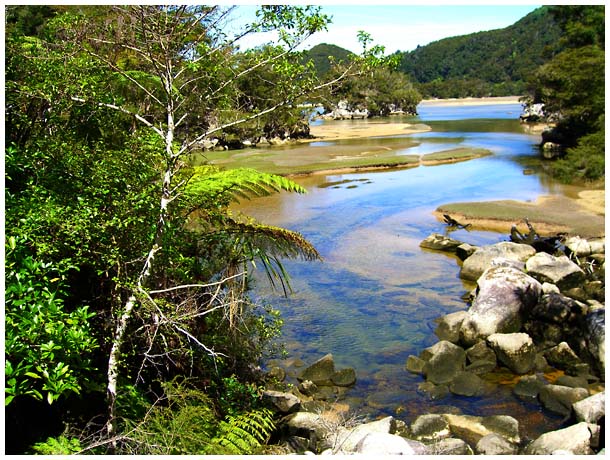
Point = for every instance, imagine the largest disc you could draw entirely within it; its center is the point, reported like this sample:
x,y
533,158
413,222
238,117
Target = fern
x,y
245,433
58,446
210,181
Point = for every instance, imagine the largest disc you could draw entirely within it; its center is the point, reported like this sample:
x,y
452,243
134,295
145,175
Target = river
x,y
374,298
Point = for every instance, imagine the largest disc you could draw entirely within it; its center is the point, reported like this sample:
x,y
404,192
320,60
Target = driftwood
x,y
549,244
454,223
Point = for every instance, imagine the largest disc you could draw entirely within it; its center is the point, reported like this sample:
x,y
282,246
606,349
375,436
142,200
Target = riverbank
x,y
549,215
359,129
470,101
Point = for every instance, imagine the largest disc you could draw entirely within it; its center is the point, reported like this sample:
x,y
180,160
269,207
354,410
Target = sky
x,y
402,27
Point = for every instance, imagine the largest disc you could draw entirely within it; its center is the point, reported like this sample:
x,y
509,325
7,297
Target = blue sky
x,y
405,26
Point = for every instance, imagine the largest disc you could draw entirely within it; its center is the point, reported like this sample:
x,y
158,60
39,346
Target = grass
x,y
310,160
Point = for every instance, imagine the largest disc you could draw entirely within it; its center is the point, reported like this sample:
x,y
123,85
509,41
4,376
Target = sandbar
x,y
472,101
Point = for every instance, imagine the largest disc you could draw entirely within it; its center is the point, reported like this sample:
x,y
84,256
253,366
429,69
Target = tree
x,y
170,78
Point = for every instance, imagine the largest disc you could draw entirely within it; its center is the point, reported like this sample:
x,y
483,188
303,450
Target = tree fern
x,y
245,433
210,181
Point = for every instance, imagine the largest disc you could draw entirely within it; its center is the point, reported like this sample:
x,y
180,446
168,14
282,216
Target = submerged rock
x,y
319,372
439,242
444,361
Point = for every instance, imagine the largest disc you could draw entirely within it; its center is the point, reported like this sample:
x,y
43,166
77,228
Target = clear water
x,y
374,298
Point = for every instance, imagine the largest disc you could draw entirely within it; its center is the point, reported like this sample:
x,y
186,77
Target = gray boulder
x,y
464,251
560,271
467,384
474,266
284,402
449,326
415,365
389,444
450,446
563,357
575,440
347,439
444,361
344,377
590,409
559,399
529,386
430,427
319,372
595,337
578,246
503,295
494,444
471,428
516,351
439,242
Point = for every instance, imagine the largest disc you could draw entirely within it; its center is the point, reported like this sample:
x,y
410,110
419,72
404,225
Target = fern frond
x,y
244,433
210,181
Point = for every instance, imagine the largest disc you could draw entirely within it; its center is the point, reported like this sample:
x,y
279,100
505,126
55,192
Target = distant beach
x,y
472,101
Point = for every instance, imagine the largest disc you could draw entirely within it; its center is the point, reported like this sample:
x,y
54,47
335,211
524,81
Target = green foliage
x,y
325,56
58,446
235,397
244,434
585,162
492,63
47,347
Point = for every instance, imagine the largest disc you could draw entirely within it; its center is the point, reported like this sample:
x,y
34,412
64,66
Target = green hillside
x,y
321,56
492,63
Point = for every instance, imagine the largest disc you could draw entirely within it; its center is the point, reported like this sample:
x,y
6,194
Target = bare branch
x,y
189,286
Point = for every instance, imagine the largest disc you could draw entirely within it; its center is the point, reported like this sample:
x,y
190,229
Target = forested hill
x,y
322,53
492,63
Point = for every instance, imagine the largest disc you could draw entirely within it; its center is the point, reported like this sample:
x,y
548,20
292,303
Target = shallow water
x,y
374,298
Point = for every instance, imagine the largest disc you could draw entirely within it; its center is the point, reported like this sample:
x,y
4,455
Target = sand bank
x,y
357,129
472,101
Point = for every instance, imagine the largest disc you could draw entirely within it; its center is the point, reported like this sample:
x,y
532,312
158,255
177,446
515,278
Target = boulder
x,y
306,425
578,246
590,409
504,294
389,444
464,251
480,352
432,391
559,399
450,446
467,384
471,428
285,403
307,387
474,266
575,440
529,386
415,365
344,377
430,427
449,326
563,357
439,242
494,444
516,351
319,372
573,382
553,308
560,271
347,439
595,337
444,361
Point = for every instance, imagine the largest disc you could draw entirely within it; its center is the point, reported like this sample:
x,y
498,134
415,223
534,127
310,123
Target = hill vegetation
x,y
492,63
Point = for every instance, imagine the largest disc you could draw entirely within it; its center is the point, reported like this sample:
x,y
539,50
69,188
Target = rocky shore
x,y
537,314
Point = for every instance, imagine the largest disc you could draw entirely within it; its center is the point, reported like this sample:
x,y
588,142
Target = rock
x,y
553,308
306,425
481,367
573,382
346,439
560,271
590,409
449,326
450,446
559,399
529,386
415,365
595,337
516,351
319,372
344,377
504,262
307,387
284,402
467,384
474,266
464,251
551,150
433,391
439,242
444,361
471,428
578,246
430,427
480,352
563,357
575,440
389,444
597,245
488,315
548,288
494,444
